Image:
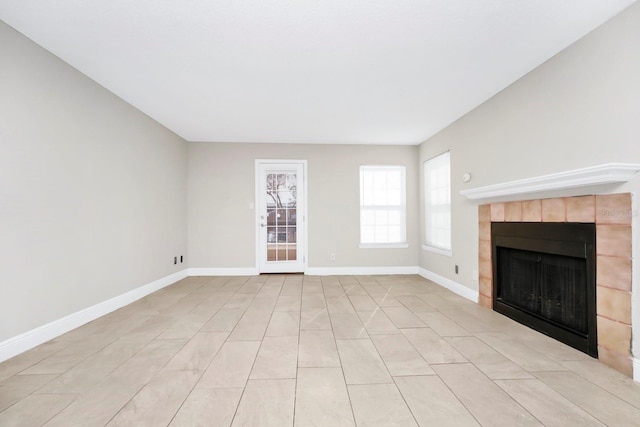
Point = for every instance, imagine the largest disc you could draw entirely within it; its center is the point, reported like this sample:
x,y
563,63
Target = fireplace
x,y
611,215
545,278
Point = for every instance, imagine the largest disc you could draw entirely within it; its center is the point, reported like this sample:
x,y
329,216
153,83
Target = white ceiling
x,y
321,71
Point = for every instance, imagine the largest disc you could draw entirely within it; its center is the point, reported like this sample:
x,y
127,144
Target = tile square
x,y
614,336
497,212
613,240
532,211
614,209
513,212
484,213
581,209
554,210
614,304
613,272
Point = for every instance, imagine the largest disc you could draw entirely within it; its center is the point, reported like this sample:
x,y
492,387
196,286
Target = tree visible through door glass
x,y
281,216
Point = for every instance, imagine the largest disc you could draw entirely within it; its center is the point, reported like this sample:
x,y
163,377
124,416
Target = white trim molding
x,y
608,173
243,271
437,250
455,287
30,339
359,271
636,370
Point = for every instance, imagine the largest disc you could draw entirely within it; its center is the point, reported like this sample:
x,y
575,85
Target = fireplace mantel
x,y
609,173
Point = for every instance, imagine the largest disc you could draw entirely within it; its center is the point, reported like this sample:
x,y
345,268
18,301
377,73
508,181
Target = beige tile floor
x,y
282,350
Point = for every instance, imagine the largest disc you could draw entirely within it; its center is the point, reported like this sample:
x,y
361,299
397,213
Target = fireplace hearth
x,y
545,277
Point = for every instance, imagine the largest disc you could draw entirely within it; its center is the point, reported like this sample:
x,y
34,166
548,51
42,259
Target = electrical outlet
x,y
332,257
175,260
456,269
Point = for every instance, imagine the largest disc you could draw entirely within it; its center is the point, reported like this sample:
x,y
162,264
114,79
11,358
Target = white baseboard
x,y
636,369
456,287
358,271
30,339
311,271
248,271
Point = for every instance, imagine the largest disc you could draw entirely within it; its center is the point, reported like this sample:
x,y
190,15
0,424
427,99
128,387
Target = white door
x,y
280,216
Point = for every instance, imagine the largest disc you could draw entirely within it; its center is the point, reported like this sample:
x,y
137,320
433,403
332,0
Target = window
x,y
383,209
437,203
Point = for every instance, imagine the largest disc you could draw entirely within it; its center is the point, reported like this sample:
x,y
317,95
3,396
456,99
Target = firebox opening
x,y
544,277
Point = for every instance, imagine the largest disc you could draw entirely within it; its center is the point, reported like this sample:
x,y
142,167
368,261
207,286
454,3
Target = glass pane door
x,y
279,216
282,200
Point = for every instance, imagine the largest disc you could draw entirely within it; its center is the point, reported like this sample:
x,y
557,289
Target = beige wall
x,y
92,192
581,108
221,187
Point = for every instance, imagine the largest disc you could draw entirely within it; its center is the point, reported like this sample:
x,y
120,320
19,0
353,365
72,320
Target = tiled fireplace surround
x,y
612,216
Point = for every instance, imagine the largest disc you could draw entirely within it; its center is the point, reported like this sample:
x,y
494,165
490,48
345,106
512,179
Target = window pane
x,y
394,180
395,218
381,234
382,204
366,234
367,217
438,201
381,218
394,233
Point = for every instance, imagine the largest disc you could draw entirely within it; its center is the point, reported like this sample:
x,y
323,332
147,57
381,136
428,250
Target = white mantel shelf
x,y
609,173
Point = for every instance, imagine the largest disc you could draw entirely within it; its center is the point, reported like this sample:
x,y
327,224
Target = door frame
x,y
304,250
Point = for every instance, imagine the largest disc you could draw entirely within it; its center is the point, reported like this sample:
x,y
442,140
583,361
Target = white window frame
x,y
440,163
402,207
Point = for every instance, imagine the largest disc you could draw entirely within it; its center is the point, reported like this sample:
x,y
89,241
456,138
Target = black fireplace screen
x,y
544,277
550,286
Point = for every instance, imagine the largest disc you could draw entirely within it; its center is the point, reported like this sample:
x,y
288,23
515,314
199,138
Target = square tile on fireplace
x,y
484,249
497,212
614,209
485,301
614,304
581,209
614,272
485,268
614,240
554,210
484,213
532,211
484,232
513,212
486,287
614,336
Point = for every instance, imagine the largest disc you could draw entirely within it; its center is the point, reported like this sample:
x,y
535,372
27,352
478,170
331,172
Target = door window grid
x,y
437,184
281,216
382,204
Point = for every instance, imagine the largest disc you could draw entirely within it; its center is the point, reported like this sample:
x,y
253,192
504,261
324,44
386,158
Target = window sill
x,y
384,245
437,250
